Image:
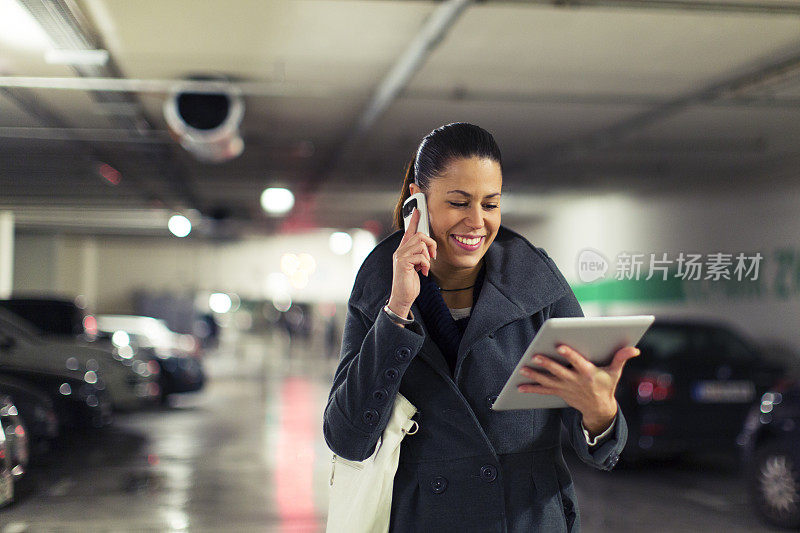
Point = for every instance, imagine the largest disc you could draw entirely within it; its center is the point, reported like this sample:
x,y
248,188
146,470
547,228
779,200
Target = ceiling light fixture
x,y
83,58
179,225
277,200
19,29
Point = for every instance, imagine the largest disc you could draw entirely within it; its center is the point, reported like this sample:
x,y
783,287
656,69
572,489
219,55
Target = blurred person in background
x,y
444,319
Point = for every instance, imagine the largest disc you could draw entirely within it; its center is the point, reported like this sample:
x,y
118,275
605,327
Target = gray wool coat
x,y
467,468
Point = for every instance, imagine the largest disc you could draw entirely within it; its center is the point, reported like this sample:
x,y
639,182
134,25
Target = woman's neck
x,y
456,279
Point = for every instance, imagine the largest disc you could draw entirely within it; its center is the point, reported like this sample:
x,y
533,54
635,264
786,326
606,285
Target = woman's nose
x,y
474,218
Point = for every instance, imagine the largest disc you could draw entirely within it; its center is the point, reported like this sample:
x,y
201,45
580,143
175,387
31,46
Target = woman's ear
x,y
414,188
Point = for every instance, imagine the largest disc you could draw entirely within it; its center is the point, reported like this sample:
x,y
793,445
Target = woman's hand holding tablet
x,y
595,350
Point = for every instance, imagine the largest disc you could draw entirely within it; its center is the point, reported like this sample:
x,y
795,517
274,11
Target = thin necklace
x,y
465,288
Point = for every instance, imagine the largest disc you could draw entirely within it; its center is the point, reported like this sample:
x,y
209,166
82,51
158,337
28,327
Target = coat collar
x,y
520,281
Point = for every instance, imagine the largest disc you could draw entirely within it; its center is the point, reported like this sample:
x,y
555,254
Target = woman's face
x,y
464,210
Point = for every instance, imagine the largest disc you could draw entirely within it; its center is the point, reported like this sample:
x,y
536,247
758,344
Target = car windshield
x,y
57,318
665,342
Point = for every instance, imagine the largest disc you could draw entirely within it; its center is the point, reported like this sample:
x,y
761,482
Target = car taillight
x,y
655,387
90,325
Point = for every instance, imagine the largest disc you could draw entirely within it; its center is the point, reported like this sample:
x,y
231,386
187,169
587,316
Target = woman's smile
x,y
466,242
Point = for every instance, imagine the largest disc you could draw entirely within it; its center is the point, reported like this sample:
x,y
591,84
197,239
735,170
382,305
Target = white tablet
x,y
596,338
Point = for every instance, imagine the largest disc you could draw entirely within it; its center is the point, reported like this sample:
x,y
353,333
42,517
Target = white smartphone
x,y
416,200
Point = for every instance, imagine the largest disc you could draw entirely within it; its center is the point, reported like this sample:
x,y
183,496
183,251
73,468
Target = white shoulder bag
x,y
360,495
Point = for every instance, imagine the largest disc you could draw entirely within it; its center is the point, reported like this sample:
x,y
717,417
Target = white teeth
x,y
468,242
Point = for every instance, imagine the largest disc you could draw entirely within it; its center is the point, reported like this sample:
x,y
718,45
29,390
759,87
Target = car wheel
x,y
774,480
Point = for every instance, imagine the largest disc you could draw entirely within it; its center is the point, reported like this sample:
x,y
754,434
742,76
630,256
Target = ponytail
x,y
437,149
405,192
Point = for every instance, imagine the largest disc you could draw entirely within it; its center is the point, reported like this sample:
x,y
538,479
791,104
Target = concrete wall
x,y
767,222
108,270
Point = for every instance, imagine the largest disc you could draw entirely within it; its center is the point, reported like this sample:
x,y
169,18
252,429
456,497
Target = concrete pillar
x,y
6,253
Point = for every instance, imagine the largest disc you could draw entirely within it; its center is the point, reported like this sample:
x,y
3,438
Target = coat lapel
x,y
519,283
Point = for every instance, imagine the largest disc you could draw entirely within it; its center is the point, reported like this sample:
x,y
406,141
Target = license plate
x,y
723,391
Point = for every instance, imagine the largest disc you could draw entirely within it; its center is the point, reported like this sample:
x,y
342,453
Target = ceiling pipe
x,y
125,85
724,6
69,29
397,79
432,33
733,86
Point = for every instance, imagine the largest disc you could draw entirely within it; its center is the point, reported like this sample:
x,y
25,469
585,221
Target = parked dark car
x,y
55,316
79,393
36,411
770,442
131,378
690,389
6,466
17,444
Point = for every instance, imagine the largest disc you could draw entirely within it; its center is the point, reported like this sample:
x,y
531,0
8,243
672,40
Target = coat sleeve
x,y
373,359
606,453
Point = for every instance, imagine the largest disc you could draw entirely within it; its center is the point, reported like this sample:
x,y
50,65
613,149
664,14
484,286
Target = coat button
x,y
370,417
402,354
380,395
488,473
438,484
391,374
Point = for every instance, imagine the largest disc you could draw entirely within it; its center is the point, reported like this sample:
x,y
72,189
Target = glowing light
x,y
282,302
72,363
306,263
299,279
340,242
58,56
65,389
179,225
110,174
90,377
120,338
289,263
19,29
126,352
90,325
277,200
219,302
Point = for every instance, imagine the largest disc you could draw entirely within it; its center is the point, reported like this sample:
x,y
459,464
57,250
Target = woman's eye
x,y
491,206
456,204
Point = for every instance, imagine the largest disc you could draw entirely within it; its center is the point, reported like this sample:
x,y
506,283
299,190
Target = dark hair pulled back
x,y
437,150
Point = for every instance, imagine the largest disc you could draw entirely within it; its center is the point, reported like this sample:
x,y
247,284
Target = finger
x,y
622,356
432,244
578,362
554,367
412,226
539,377
420,262
538,389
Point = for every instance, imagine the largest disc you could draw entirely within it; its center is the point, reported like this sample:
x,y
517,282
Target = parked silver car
x,y
180,370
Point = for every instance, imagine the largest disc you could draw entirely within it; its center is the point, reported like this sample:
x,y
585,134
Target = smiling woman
x,y
443,319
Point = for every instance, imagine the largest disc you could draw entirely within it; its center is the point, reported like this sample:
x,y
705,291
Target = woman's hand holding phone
x,y
413,254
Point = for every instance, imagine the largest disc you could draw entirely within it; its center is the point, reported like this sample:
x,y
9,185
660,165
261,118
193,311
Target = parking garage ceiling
x,y
582,96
